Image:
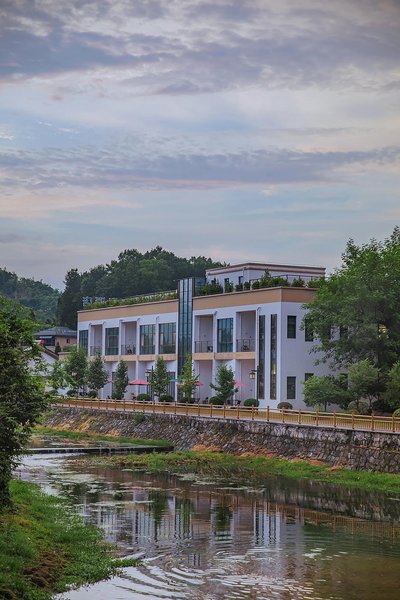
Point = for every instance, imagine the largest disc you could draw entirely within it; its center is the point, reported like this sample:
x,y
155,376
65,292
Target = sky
x,y
236,129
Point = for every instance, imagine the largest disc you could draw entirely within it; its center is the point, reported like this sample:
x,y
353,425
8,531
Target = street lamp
x,y
148,374
254,376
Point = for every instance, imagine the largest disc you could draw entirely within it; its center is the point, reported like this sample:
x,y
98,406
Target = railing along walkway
x,y
268,415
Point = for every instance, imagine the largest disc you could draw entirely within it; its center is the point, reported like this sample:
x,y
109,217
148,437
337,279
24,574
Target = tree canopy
x,y
133,273
38,297
22,396
355,314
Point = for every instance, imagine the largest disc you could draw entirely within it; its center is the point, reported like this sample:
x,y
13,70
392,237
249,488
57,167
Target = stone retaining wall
x,y
370,451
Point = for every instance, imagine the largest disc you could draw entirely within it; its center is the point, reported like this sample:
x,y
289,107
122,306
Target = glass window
x,y
225,335
83,339
167,338
240,280
291,388
308,331
261,356
291,326
147,339
112,340
273,357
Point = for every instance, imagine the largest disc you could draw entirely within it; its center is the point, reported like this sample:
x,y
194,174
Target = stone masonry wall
x,y
370,451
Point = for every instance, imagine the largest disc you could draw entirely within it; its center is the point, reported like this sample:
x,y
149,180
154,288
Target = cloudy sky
x,y
236,129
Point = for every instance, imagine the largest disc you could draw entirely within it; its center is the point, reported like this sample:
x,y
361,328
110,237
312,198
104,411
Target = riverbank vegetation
x,y
252,469
88,437
45,548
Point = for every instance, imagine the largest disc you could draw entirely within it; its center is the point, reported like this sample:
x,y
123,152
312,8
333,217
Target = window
x,y
291,388
291,326
147,339
225,335
83,339
167,338
67,340
240,280
308,375
273,355
308,331
112,340
261,357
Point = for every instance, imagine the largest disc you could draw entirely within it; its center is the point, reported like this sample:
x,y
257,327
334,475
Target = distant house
x,y
56,336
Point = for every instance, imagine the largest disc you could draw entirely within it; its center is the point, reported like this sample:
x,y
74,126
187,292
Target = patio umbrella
x,y
239,384
138,382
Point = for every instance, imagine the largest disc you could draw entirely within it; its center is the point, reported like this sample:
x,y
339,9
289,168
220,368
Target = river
x,y
208,540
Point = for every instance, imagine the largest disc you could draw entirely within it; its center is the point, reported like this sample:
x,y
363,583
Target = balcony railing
x,y
245,345
167,349
95,350
128,349
203,346
111,350
225,347
147,349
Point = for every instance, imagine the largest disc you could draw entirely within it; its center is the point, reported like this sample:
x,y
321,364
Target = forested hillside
x,y
132,273
39,297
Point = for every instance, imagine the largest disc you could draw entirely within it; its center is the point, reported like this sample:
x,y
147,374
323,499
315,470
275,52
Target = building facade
x,y
258,333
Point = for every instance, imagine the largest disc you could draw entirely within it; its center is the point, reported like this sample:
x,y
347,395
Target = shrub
x,y
255,285
397,413
143,398
139,418
358,408
92,394
72,393
251,402
216,401
239,287
246,285
285,406
166,398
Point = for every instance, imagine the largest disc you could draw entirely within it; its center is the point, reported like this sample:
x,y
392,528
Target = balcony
x,y
245,345
111,350
95,350
128,349
150,349
203,346
167,349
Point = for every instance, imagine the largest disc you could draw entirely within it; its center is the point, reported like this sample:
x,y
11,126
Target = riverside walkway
x,y
228,413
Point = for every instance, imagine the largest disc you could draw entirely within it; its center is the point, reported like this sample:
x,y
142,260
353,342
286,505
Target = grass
x,y
84,436
45,548
253,469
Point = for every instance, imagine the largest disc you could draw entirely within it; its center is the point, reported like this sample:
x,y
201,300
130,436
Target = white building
x,y
256,332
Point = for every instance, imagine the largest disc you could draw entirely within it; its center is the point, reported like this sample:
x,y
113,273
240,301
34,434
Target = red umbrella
x,y
138,382
239,384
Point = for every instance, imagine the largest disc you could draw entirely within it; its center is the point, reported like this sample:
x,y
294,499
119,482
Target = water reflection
x,y
206,541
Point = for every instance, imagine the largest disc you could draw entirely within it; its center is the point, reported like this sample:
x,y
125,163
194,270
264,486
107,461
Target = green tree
x,y
76,366
70,300
22,397
225,386
360,304
364,382
97,376
188,380
392,393
121,380
57,377
159,378
319,391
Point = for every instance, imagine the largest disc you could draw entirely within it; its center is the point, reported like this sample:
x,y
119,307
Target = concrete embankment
x,y
357,450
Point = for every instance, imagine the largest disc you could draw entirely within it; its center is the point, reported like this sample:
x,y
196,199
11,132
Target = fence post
x,y
175,406
299,421
372,422
252,413
393,424
238,412
334,419
198,409
352,420
224,410
268,413
317,419
283,415
187,408
164,408
211,407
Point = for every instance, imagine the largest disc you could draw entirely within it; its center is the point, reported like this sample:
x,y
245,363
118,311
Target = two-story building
x,y
256,332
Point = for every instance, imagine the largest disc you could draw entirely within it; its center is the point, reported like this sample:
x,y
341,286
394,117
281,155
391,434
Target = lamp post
x,y
254,377
148,374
